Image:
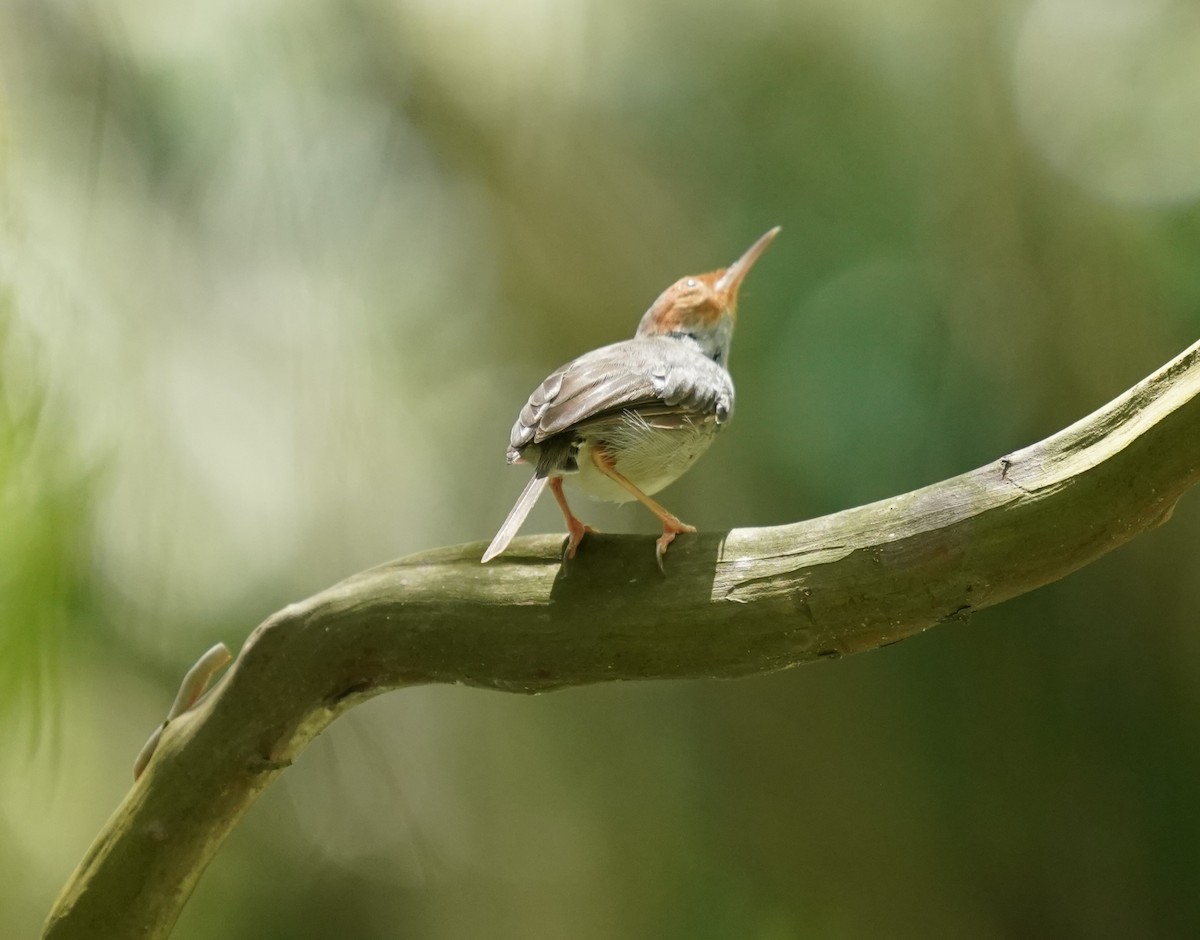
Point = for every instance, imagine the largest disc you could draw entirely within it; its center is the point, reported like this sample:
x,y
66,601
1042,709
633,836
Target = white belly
x,y
649,457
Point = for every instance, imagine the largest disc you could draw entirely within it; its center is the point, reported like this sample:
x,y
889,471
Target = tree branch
x,y
733,604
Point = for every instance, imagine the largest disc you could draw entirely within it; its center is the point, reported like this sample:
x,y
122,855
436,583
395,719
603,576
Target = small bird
x,y
626,420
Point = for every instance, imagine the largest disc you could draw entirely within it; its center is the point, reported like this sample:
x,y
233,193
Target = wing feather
x,y
660,375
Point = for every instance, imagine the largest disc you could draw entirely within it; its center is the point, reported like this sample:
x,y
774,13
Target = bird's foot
x,y
576,530
671,528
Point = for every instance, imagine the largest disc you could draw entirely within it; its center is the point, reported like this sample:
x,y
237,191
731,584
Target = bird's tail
x,y
529,496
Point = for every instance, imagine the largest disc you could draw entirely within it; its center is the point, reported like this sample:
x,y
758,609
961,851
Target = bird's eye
x,y
690,282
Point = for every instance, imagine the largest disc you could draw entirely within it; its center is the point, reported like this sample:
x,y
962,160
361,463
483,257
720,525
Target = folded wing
x,y
663,376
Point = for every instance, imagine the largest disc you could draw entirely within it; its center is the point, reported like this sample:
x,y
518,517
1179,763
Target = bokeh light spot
x,y
1108,92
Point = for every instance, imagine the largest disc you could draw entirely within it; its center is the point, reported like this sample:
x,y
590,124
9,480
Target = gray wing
x,y
660,375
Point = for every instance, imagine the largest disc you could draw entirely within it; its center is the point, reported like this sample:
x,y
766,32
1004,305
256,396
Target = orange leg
x,y
671,524
576,530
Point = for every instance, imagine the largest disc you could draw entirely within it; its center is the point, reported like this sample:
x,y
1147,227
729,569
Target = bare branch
x,y
733,604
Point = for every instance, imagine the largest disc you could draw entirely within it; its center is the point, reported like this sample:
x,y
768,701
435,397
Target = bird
x,y
625,420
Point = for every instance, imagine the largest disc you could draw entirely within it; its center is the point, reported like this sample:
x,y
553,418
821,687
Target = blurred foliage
x,y
277,277
44,512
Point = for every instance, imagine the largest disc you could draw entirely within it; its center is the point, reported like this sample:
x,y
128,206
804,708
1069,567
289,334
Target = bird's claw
x,y
575,535
670,530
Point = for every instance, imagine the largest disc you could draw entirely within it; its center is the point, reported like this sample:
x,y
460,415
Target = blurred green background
x,y
275,278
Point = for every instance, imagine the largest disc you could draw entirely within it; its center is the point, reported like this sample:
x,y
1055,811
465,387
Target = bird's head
x,y
703,307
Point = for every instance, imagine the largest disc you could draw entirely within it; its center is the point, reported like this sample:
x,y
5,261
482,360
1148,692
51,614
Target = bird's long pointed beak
x,y
731,280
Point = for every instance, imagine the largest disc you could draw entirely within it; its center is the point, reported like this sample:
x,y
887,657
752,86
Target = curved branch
x,y
735,603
